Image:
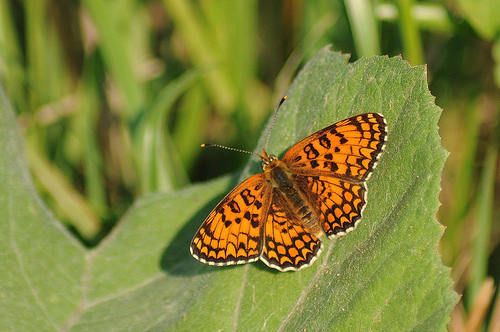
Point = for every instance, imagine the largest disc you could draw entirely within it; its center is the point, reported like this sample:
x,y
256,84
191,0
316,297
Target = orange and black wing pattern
x,y
347,149
338,203
288,245
233,232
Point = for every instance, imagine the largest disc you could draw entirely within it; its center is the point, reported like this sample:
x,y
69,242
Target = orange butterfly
x,y
317,188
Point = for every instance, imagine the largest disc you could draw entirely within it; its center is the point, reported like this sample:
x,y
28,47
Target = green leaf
x,y
41,263
386,275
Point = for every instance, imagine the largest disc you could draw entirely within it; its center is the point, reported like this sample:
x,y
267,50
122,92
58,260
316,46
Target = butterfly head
x,y
267,159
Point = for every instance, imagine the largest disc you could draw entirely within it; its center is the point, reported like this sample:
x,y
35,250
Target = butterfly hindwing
x,y
288,246
348,149
338,203
232,233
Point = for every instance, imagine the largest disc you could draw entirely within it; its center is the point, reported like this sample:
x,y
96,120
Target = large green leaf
x,y
386,275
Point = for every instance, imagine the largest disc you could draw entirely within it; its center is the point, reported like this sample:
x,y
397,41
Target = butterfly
x,y
317,188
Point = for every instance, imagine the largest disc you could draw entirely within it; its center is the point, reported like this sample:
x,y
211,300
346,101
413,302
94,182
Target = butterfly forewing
x,y
232,233
349,148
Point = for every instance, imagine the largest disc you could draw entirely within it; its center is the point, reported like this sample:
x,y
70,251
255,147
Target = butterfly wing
x,y
347,149
233,232
338,203
288,246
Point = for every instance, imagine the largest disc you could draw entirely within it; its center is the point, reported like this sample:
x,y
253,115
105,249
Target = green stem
x,y
364,29
480,254
410,34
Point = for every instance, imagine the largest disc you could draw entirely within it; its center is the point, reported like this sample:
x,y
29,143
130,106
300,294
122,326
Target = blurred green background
x,y
115,97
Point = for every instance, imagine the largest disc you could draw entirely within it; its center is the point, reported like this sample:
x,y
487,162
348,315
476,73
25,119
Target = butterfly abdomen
x,y
284,186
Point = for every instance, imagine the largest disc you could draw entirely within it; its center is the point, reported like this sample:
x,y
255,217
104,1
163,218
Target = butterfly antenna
x,y
205,145
274,119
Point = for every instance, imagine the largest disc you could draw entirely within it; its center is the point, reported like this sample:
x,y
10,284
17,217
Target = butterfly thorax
x,y
281,179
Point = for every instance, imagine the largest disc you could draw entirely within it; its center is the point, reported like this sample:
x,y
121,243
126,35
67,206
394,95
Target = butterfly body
x,y
282,180
317,188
